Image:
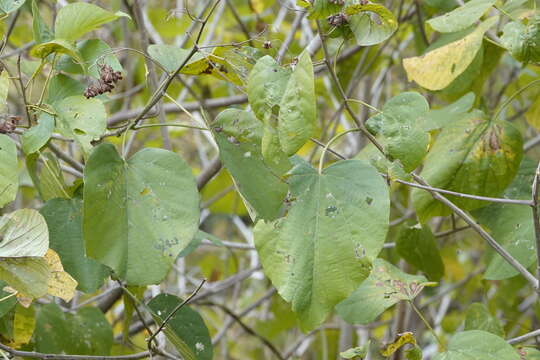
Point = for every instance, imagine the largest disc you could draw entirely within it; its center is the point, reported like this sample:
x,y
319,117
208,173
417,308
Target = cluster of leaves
x,y
81,216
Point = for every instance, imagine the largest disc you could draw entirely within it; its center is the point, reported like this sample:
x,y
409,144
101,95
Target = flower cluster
x,y
107,81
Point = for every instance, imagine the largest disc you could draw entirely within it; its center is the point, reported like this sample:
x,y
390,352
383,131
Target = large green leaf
x,y
37,136
438,118
27,275
171,57
23,233
266,85
87,332
62,86
511,226
81,119
477,345
418,247
318,254
8,303
474,156
385,286
529,353
479,318
41,31
94,52
57,46
323,8
522,39
64,219
371,24
436,69
238,134
76,19
139,214
298,108
47,175
403,135
462,17
9,170
186,329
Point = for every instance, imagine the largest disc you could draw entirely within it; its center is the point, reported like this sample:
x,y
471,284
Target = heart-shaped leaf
x,y
477,345
462,17
371,24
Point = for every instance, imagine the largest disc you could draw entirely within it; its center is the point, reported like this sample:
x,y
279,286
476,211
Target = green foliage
x,y
9,179
477,345
479,318
371,24
462,17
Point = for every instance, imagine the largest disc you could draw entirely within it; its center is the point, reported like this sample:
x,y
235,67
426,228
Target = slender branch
x,y
536,218
524,338
37,355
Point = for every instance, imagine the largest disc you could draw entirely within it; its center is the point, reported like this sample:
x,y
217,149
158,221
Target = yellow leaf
x,y
438,68
61,284
23,326
402,339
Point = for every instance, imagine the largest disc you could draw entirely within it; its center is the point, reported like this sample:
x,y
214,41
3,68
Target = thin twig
x,y
536,218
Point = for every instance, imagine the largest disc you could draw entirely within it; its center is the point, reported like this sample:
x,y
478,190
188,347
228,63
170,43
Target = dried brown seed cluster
x,y
107,81
337,19
8,123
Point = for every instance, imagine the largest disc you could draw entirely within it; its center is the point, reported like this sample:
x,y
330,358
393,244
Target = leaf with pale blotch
x,y
462,17
186,329
404,138
473,156
76,19
298,108
385,287
238,135
60,283
436,69
371,24
266,85
478,317
318,254
139,214
81,119
9,170
23,233
477,345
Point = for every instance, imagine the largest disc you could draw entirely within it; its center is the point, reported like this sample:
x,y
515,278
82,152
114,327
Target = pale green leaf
x,y
76,19
462,17
27,275
318,254
42,32
9,170
323,8
38,135
477,345
385,286
139,214
47,176
4,90
522,40
57,46
438,118
436,69
23,233
478,317
8,6
94,52
371,24
298,108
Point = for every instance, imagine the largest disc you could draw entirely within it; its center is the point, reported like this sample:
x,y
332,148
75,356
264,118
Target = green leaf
x,y
322,250
266,85
474,156
139,214
8,6
23,233
522,40
64,219
385,286
94,52
61,87
81,119
87,332
9,170
414,353
76,19
436,69
371,24
8,303
533,114
462,17
186,329
357,352
37,136
477,345
479,318
511,226
27,275
42,32
418,247
529,353
439,118
238,135
57,46
47,175
298,108
398,123
323,8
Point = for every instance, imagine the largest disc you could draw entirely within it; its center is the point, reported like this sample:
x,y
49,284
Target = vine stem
x,y
421,316
8,296
332,140
536,218
516,94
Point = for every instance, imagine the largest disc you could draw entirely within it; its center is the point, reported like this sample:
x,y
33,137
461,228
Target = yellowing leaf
x,y
401,339
60,283
438,68
24,323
